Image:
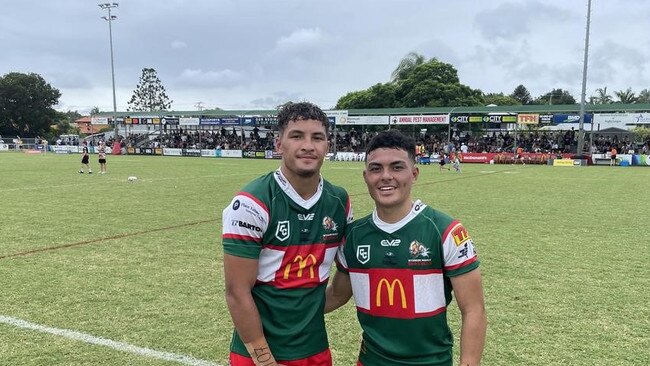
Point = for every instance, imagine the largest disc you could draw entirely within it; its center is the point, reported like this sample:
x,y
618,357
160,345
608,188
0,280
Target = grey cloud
x,y
510,20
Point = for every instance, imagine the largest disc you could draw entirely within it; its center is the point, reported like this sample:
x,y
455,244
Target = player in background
x,y
84,159
102,157
402,263
280,236
456,162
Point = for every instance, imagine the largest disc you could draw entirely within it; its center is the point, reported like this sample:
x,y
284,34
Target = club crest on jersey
x,y
282,230
419,254
329,224
235,205
363,253
418,250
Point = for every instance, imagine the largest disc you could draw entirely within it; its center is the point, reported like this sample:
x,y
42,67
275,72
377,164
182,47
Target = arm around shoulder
x,y
469,296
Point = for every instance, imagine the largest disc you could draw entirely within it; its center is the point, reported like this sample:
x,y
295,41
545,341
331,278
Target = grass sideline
x,y
564,255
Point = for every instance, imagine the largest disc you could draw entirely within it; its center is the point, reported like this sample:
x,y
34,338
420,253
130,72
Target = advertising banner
x,y
367,120
499,118
642,160
462,118
231,153
266,121
99,120
248,121
570,118
169,120
545,118
620,120
208,153
528,119
4,147
172,152
337,117
221,121
189,121
206,121
270,154
436,119
252,154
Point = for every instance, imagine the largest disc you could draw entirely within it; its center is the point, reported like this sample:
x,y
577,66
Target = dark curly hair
x,y
300,111
392,139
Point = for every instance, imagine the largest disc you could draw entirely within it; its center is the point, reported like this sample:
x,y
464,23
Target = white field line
x,y
117,180
120,346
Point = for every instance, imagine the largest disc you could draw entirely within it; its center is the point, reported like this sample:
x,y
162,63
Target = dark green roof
x,y
548,109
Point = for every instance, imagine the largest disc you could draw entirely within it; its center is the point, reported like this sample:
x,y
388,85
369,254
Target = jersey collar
x,y
416,208
291,192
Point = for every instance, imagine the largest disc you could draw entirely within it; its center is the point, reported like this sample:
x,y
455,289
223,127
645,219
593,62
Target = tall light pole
x,y
581,129
109,19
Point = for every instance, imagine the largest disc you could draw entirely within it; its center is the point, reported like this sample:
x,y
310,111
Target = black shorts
x,y
442,162
102,161
613,157
84,160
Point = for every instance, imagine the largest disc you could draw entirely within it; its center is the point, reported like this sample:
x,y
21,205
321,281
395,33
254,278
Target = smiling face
x,y
389,175
303,144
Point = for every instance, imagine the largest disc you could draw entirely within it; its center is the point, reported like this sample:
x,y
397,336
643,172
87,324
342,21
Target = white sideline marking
x,y
120,346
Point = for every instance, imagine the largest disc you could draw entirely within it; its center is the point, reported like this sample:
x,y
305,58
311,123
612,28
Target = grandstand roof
x,y
510,109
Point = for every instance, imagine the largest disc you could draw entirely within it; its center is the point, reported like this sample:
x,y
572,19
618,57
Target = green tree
x,y
149,94
555,96
416,84
601,97
625,96
26,104
522,95
644,96
406,66
500,99
95,110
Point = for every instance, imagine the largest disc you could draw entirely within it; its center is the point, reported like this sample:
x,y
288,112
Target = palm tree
x,y
626,96
602,97
406,66
644,96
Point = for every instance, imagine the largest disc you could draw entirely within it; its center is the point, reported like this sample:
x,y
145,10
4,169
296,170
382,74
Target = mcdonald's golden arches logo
x,y
302,264
390,287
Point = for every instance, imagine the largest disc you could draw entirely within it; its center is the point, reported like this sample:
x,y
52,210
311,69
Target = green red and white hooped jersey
x,y
295,242
400,281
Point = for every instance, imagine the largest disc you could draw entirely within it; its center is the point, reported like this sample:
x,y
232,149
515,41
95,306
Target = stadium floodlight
x,y
109,19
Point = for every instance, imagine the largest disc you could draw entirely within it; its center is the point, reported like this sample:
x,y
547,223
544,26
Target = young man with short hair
x,y
402,263
280,237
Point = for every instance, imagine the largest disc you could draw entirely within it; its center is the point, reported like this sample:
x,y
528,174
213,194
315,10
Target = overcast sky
x,y
243,54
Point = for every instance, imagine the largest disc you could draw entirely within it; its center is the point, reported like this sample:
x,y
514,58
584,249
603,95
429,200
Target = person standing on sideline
x,y
456,162
280,236
613,152
84,159
101,150
402,263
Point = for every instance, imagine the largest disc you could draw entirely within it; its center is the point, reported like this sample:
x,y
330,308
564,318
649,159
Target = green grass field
x,y
565,257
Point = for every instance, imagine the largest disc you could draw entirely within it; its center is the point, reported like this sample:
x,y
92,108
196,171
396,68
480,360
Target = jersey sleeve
x,y
458,250
244,223
341,262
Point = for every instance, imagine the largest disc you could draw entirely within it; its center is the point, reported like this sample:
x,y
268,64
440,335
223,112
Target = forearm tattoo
x,y
263,356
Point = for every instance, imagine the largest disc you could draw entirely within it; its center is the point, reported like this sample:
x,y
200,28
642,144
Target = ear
x,y
416,173
365,179
278,144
